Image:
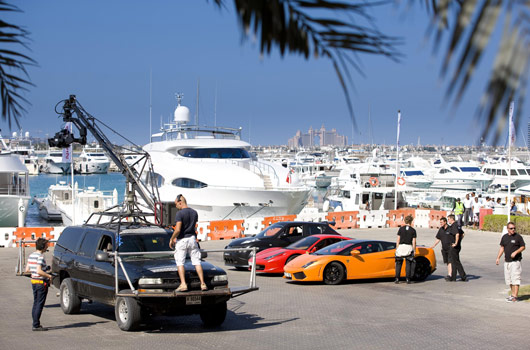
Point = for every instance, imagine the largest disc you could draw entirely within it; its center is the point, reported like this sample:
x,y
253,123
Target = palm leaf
x,y
314,27
472,29
13,74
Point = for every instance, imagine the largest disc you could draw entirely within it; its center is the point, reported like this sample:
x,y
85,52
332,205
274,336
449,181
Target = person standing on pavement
x,y
407,241
184,239
468,212
40,281
512,245
445,237
454,252
458,210
476,212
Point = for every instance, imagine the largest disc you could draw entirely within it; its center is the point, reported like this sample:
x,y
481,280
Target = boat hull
x,y
9,209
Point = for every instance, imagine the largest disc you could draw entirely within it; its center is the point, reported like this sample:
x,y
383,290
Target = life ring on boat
x,y
401,181
373,181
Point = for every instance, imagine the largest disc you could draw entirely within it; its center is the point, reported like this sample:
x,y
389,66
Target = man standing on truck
x,y
184,239
40,280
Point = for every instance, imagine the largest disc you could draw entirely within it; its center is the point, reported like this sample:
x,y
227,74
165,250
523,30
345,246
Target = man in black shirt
x,y
454,251
447,239
512,245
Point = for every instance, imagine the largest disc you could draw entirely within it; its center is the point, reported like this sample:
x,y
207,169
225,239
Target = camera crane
x,y
134,170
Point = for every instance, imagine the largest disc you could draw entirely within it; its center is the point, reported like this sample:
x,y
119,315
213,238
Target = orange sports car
x,y
356,259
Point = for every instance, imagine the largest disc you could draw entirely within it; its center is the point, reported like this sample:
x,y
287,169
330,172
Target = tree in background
x,y
340,30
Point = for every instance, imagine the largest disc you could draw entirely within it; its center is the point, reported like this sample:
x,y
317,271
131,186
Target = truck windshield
x,y
156,242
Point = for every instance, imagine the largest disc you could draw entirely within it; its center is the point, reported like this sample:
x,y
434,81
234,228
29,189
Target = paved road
x,y
370,315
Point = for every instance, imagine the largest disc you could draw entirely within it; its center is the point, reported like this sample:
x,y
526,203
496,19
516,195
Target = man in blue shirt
x,y
184,239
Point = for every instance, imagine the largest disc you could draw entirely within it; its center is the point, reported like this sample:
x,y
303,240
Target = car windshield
x,y
145,243
270,231
339,248
303,243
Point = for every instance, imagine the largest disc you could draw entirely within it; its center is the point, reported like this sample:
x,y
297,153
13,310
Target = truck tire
x,y
70,302
214,315
128,313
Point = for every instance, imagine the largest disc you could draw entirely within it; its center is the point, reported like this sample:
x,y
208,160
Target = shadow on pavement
x,y
76,325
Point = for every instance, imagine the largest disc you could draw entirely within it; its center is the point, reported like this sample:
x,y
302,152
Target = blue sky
x,y
103,51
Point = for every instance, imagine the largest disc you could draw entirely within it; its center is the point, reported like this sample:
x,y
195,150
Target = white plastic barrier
x,y
6,236
422,218
253,226
202,230
372,218
57,230
311,214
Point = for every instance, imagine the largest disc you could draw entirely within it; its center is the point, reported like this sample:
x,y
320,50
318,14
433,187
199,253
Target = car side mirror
x,y
355,252
314,249
102,256
204,255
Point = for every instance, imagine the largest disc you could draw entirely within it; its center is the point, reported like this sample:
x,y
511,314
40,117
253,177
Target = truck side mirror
x,y
102,256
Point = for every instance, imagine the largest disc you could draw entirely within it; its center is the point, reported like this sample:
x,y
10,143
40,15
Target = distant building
x,y
320,137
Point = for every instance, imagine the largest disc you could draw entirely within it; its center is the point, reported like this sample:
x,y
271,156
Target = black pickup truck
x,y
85,268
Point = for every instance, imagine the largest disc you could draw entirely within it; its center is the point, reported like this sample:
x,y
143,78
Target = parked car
x,y
280,234
85,269
273,260
356,259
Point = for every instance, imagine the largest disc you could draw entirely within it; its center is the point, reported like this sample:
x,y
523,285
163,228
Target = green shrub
x,y
495,223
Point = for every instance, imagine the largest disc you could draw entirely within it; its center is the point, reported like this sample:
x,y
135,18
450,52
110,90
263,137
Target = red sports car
x,y
272,260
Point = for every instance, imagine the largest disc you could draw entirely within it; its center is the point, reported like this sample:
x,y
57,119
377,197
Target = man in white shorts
x,y
512,244
184,239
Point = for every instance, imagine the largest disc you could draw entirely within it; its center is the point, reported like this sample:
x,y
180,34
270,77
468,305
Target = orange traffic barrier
x,y
396,218
435,216
269,220
225,229
32,234
343,219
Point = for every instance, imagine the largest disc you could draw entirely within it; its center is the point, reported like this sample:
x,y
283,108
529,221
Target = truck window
x,y
105,243
69,238
90,241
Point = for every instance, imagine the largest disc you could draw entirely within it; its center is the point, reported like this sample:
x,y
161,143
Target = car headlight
x,y
146,281
220,278
309,264
273,255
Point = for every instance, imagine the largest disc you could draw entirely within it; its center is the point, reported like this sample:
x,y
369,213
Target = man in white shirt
x,y
468,210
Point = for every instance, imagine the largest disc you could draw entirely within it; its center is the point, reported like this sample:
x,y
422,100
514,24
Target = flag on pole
x,y
67,152
398,127
512,127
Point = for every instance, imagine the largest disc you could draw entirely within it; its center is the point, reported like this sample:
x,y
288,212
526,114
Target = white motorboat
x,y
14,190
213,169
85,203
48,209
92,161
53,163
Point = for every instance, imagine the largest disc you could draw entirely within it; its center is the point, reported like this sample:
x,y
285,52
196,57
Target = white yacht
x,y
14,190
414,178
22,146
464,176
85,203
53,163
213,169
519,174
92,160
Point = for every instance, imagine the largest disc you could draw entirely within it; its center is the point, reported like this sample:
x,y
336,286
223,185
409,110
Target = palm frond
x,y
12,66
473,23
316,28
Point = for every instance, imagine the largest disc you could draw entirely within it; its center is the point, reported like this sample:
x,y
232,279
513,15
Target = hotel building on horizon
x,y
317,137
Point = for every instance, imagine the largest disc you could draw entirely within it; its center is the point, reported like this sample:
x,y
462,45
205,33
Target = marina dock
x,y
365,314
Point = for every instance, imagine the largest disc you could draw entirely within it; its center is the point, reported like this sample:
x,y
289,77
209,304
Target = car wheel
x,y
422,269
333,273
291,258
70,302
214,315
128,313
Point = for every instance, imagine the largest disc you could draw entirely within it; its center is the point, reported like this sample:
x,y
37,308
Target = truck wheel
x,y
214,315
128,313
70,302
